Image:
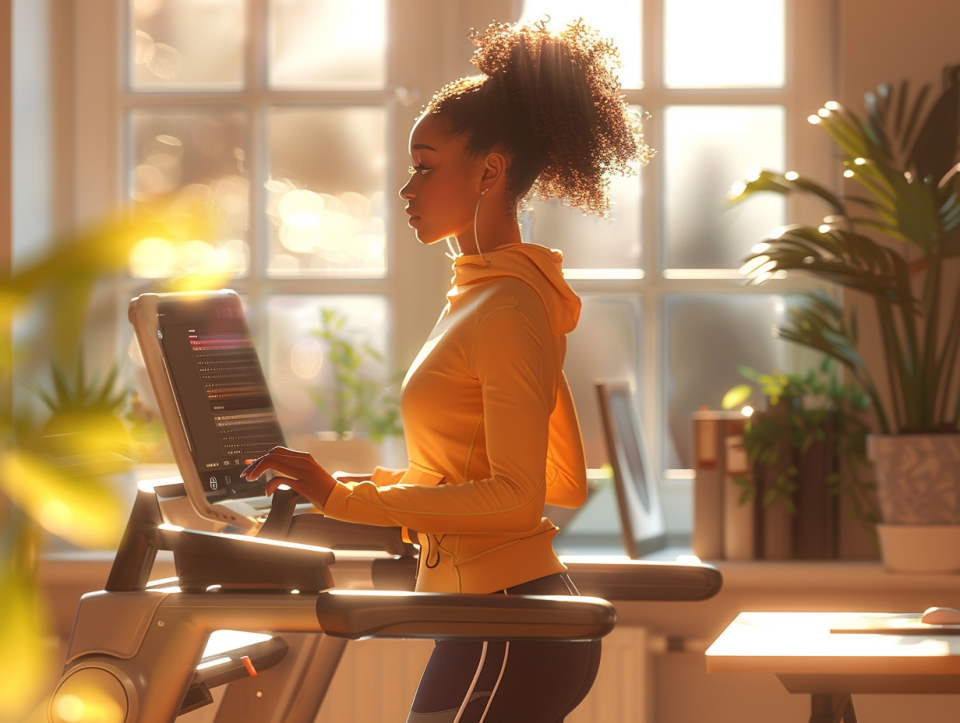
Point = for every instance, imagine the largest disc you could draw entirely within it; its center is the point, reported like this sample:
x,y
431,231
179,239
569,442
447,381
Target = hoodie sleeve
x,y
513,362
566,463
384,476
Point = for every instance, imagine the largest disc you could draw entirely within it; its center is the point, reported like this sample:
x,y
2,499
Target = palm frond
x,y
903,154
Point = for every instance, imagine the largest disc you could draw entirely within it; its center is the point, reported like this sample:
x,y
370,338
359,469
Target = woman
x,y
490,425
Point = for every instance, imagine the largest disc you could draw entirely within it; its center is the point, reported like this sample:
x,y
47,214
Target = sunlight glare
x,y
611,18
736,43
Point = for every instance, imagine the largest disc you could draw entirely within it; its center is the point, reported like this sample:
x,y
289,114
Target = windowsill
x,y
792,586
825,575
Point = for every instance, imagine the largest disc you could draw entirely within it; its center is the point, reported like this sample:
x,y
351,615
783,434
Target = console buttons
x,y
213,483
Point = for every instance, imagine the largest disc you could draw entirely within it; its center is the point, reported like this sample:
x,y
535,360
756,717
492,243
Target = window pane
x,y
605,345
328,43
198,155
299,370
325,198
611,18
187,44
724,43
706,149
589,242
707,338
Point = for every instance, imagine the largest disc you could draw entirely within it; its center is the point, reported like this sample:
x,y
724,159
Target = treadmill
x,y
266,587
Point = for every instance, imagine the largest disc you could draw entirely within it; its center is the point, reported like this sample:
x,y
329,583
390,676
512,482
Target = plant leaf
x,y
736,396
24,660
81,510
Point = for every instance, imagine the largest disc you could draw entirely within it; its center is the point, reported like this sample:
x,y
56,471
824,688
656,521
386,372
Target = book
x,y
740,521
815,531
776,533
708,510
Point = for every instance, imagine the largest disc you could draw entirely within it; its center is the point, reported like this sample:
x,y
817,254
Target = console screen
x,y
224,401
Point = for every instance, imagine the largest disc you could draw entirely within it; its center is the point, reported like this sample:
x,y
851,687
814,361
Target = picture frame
x,y
638,497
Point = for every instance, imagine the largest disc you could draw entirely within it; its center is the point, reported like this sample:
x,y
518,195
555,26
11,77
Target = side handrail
x,y
356,614
644,579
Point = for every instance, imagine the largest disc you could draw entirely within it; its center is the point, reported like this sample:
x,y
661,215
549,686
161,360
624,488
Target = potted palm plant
x,y
897,240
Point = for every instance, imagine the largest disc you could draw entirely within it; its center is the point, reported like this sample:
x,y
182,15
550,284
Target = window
x,y
728,84
289,118
292,116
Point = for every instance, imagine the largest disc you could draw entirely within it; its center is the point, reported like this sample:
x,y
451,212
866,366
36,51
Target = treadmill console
x,y
212,396
221,392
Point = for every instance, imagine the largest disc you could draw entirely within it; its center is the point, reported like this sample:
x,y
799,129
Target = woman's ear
x,y
494,171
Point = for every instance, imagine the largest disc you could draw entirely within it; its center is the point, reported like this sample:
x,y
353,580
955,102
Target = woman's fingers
x,y
297,470
279,459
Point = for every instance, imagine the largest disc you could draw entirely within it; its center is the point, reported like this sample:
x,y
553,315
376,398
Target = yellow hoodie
x,y
490,428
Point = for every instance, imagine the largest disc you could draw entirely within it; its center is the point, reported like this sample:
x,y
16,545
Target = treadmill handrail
x,y
351,614
356,614
644,579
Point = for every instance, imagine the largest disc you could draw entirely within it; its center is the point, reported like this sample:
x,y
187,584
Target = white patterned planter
x,y
918,477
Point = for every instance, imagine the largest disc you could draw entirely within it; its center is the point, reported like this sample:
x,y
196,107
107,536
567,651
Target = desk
x,y
807,658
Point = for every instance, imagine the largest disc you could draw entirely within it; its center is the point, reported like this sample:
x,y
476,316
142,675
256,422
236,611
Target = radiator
x,y
377,679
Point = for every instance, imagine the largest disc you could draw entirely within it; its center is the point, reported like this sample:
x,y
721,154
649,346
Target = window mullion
x,y
652,98
255,84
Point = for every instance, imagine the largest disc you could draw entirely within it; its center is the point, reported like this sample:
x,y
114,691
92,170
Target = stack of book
x,y
730,521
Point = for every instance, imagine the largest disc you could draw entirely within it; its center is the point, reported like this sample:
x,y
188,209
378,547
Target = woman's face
x,y
444,185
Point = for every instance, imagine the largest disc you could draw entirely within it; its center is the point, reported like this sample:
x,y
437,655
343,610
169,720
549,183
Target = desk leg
x,y
832,708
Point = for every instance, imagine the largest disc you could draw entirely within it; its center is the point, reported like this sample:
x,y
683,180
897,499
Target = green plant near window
x,y
892,242
358,404
84,415
805,409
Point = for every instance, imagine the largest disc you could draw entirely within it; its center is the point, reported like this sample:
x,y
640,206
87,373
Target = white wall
x,y
886,41
41,97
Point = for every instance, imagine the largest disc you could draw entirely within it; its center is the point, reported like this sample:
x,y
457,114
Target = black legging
x,y
507,682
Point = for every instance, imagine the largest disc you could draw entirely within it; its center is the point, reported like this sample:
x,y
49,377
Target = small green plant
x,y
358,405
84,415
805,409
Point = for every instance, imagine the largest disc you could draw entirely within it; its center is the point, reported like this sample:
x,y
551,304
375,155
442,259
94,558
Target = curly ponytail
x,y
552,103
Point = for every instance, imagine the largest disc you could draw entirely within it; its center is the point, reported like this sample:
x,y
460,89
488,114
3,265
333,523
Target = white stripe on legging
x,y
496,685
503,667
476,677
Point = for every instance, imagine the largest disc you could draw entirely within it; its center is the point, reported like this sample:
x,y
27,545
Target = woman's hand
x,y
297,470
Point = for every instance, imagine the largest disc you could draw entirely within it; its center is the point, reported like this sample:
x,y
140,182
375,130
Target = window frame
x,y
811,51
427,47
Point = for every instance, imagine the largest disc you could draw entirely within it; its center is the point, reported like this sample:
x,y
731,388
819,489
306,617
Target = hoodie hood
x,y
538,266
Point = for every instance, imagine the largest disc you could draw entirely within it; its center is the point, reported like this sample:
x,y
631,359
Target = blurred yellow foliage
x,y
81,509
24,658
68,495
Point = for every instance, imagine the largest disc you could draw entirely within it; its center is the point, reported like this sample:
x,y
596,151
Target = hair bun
x,y
553,100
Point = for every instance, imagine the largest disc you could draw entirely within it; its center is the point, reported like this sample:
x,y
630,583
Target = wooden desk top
x,y
800,649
